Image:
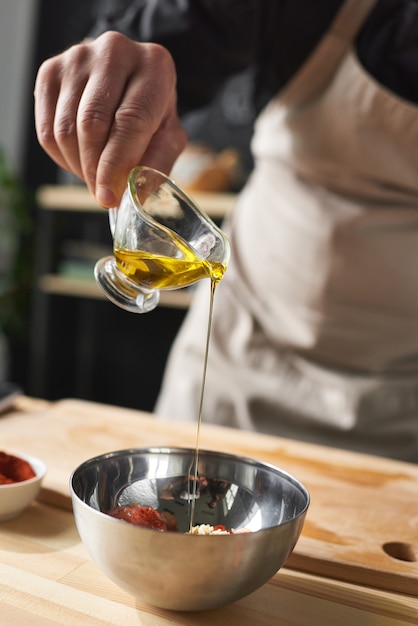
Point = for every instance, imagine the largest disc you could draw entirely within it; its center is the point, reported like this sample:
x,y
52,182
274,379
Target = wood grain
x,y
358,503
47,578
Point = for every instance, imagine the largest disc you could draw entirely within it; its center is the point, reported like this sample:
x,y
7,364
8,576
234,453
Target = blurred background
x,y
58,337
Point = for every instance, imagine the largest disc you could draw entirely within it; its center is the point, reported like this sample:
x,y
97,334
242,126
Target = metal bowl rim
x,y
190,451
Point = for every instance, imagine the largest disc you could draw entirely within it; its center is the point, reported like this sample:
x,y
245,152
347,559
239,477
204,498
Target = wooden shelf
x,y
55,284
77,198
70,231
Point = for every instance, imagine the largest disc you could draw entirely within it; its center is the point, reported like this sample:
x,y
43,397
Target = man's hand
x,y
104,106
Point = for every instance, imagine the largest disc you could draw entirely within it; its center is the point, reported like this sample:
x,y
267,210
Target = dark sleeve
x,y
388,46
213,40
210,40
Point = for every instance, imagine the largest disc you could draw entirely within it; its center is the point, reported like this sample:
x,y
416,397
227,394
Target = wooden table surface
x,y
355,563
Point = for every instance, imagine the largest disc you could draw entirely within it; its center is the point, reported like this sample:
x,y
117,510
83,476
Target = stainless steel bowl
x,y
175,570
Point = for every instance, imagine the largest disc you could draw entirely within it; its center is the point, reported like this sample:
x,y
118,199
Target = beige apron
x,y
315,332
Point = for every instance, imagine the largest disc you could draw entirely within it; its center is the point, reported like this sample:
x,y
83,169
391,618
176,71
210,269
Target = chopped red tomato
x,y
140,516
223,528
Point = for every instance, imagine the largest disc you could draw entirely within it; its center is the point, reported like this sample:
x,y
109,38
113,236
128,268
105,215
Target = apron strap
x,y
318,70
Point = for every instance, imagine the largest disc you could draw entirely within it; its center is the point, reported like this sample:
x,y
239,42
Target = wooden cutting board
x,y
362,524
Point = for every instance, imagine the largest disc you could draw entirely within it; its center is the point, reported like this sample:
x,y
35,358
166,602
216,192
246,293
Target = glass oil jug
x,y
161,240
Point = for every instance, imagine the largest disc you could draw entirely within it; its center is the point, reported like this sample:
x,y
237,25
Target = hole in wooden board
x,y
400,551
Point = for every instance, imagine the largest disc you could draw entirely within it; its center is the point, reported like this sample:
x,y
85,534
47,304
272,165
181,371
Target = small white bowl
x,y
15,497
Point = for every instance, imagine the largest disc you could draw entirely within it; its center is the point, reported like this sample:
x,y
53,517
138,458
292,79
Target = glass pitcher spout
x,y
161,240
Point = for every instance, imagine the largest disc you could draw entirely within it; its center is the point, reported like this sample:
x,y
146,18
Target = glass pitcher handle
x,y
117,287
121,291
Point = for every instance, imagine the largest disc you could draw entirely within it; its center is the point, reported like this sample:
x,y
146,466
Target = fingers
x,y
47,90
165,146
59,88
103,107
148,103
145,129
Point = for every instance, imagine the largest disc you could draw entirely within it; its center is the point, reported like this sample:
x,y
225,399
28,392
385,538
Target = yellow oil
x,y
153,271
195,464
160,272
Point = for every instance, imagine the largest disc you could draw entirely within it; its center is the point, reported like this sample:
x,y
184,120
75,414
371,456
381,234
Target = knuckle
x,y
113,45
136,117
47,71
45,135
64,126
47,81
77,55
64,130
93,118
156,55
111,38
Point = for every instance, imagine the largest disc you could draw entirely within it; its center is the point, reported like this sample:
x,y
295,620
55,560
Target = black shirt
x,y
212,40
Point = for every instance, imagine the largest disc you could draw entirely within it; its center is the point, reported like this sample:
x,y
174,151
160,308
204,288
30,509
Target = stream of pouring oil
x,y
195,463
